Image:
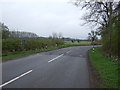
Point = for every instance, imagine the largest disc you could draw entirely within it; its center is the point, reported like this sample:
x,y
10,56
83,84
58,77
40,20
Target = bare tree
x,y
92,36
60,35
54,35
99,14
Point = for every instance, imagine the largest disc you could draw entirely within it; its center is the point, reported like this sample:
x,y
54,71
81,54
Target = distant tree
x,y
50,37
57,35
63,38
20,34
54,35
5,31
72,41
60,35
57,38
92,36
78,41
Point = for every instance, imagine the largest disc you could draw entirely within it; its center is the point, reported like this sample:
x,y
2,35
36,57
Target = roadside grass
x,y
13,55
106,69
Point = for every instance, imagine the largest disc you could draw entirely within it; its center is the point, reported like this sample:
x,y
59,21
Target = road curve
x,y
62,68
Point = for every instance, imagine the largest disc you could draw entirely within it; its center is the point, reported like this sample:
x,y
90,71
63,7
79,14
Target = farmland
x,y
13,48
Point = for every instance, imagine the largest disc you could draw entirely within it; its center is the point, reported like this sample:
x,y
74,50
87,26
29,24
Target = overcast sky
x,y
45,17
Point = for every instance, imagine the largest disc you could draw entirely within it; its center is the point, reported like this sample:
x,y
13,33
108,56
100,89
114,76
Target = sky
x,y
44,17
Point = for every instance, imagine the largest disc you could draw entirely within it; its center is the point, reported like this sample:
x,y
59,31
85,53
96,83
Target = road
x,y
62,68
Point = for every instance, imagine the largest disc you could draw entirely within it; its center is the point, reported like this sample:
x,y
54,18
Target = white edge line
x,y
55,58
15,78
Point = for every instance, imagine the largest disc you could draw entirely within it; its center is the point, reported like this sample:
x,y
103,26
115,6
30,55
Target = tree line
x,y
13,41
104,16
6,33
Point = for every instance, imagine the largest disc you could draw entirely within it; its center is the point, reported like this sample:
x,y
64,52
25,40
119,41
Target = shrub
x,y
10,45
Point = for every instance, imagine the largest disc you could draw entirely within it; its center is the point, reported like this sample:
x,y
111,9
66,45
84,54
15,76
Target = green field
x,y
106,69
78,43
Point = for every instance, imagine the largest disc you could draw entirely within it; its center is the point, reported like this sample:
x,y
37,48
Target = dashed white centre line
x,y
68,51
55,58
16,78
80,55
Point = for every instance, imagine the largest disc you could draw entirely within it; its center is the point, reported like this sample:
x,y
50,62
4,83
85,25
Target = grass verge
x,y
25,53
105,69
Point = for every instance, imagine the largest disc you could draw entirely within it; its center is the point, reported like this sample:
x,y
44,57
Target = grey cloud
x,y
44,18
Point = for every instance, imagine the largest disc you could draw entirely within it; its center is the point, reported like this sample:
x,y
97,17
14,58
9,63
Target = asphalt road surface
x,y
62,68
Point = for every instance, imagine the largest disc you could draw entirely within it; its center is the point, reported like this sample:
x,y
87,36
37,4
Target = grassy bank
x,y
106,69
25,53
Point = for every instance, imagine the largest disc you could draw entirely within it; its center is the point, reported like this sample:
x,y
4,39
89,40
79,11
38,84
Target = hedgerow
x,y
15,44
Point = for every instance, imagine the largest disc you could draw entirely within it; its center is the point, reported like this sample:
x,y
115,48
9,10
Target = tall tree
x,y
100,14
5,31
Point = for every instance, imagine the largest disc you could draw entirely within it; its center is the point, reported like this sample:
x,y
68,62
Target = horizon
x,y
45,18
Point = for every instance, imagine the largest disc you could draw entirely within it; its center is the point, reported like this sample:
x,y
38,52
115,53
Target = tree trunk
x,y
110,30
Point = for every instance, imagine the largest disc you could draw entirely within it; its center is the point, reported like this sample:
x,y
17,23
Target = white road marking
x,y
80,55
38,53
55,58
15,78
68,51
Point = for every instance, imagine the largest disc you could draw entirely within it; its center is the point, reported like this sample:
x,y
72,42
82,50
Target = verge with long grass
x,y
106,69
